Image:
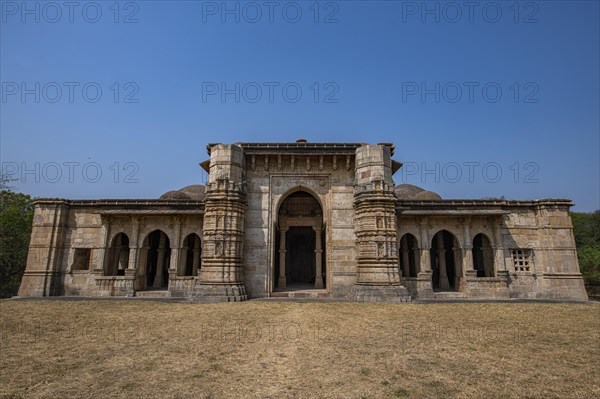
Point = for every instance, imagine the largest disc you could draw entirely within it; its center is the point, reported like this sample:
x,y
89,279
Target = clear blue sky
x,y
423,75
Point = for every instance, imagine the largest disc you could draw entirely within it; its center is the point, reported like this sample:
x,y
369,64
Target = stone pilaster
x,y
378,277
425,275
104,250
467,249
500,252
318,258
221,276
42,276
133,247
282,282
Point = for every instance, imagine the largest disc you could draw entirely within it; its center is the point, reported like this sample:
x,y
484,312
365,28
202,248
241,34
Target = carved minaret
x,y
221,276
378,277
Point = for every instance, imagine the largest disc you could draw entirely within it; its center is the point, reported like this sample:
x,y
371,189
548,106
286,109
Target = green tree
x,y
586,228
16,213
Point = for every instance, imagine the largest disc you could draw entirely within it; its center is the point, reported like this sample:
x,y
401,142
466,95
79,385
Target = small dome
x,y
407,191
427,195
195,192
175,195
410,192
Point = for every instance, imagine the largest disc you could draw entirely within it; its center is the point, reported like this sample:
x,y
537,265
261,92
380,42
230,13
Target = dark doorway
x,y
300,256
483,256
443,244
159,254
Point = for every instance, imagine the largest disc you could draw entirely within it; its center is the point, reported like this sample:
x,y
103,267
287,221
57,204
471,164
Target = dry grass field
x,y
263,349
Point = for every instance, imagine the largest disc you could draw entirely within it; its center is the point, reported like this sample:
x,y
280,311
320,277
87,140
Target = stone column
x,y
425,261
221,275
487,254
196,259
142,268
405,258
133,247
318,256
282,282
115,254
175,263
123,257
104,252
441,255
160,263
499,251
467,247
425,275
378,277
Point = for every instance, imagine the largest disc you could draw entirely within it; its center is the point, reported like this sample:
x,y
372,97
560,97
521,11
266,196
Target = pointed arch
x,y
118,256
191,255
300,241
409,257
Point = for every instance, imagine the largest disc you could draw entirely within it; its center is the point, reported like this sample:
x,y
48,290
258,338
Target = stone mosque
x,y
303,220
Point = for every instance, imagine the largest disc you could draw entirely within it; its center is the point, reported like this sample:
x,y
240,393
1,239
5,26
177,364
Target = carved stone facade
x,y
304,220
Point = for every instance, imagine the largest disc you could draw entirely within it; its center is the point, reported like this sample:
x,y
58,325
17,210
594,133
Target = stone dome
x,y
195,192
174,195
427,195
412,192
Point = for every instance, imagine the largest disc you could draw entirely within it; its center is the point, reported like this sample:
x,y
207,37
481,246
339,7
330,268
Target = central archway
x,y
299,243
446,269
156,255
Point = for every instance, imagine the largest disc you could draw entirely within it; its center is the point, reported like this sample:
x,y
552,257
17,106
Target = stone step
x,y
152,294
449,295
301,294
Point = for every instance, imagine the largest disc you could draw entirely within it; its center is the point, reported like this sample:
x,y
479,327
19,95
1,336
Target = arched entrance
x,y
300,259
157,255
409,256
444,250
483,257
192,254
118,256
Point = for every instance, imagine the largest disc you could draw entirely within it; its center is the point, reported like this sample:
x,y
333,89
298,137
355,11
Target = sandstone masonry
x,y
303,219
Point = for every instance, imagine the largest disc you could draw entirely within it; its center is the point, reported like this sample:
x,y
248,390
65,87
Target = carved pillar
x,y
500,253
133,246
425,261
115,256
282,282
318,256
196,259
142,266
123,257
417,257
378,277
441,256
221,276
467,249
175,263
160,263
405,257
104,250
425,275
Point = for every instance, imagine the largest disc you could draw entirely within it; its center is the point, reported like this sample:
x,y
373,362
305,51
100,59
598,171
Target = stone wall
x,y
529,244
61,228
542,228
271,178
